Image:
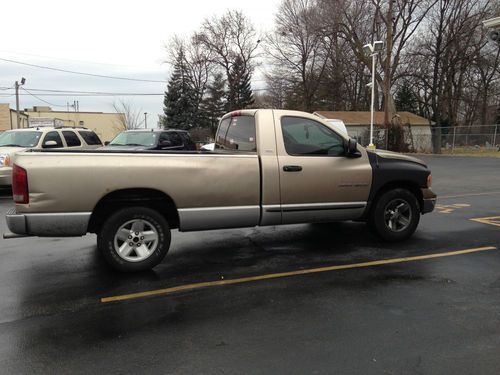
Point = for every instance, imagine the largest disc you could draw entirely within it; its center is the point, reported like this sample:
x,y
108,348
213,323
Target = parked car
x,y
154,139
338,124
208,147
49,137
269,167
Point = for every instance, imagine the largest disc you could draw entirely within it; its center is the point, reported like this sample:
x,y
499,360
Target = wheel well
x,y
413,187
151,198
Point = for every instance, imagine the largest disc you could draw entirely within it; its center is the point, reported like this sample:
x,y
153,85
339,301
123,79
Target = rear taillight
x,y
20,185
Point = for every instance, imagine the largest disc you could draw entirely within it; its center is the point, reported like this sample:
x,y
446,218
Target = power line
x,y
98,94
68,60
66,93
81,73
33,95
87,92
45,92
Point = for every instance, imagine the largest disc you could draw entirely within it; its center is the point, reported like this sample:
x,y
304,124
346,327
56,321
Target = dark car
x,y
154,139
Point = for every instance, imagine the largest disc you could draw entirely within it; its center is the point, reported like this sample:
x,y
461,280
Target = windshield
x,y
134,139
19,138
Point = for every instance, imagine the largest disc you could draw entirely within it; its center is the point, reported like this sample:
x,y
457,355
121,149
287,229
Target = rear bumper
x,y
68,224
5,176
429,200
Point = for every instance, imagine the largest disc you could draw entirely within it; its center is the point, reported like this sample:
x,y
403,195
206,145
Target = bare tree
x,y
481,82
393,21
299,48
444,57
227,37
130,117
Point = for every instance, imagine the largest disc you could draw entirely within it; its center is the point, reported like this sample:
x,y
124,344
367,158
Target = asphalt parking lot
x,y
327,298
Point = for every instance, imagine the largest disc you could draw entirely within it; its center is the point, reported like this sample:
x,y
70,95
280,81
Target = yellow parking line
x,y
468,195
493,220
242,280
448,208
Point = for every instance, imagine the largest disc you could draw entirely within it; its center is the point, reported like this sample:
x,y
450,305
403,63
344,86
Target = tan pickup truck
x,y
269,167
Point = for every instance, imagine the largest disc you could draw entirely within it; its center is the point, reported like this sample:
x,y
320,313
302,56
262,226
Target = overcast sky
x,y
107,37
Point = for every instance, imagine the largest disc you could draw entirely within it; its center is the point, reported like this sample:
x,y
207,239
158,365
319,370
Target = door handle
x,y
292,168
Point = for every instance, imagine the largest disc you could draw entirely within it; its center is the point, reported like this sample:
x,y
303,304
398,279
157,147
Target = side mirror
x,y
50,144
351,148
106,143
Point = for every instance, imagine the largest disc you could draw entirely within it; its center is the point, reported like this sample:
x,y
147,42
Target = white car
x,y
208,147
338,124
46,137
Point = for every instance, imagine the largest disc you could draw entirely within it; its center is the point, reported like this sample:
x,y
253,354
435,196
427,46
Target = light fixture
x,y
378,46
367,49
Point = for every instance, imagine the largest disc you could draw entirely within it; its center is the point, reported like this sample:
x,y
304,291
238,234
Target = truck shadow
x,y
251,251
201,256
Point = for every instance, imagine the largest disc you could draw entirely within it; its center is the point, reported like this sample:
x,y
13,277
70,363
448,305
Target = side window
x,y
165,137
52,136
310,138
71,138
176,139
90,138
165,140
239,136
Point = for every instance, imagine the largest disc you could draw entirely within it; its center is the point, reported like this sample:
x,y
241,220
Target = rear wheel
x,y
134,239
395,215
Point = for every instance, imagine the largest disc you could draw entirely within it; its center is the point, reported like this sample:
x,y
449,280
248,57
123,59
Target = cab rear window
x,y
237,134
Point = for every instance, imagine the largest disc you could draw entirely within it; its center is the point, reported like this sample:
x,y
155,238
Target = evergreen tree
x,y
239,93
405,100
213,105
179,100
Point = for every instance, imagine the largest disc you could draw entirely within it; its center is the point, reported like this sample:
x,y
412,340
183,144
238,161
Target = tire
x,y
143,228
395,215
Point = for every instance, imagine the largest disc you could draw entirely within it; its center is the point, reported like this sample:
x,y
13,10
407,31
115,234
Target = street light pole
x,y
371,145
372,50
18,115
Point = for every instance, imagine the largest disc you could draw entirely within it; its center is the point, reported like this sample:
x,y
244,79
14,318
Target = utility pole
x,y
145,120
387,75
18,114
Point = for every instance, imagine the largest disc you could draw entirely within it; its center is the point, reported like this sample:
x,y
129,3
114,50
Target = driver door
x,y
318,182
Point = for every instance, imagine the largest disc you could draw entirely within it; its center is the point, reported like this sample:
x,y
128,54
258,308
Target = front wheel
x,y
134,239
395,215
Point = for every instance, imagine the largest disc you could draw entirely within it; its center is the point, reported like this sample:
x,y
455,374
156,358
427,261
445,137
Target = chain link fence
x,y
467,138
457,139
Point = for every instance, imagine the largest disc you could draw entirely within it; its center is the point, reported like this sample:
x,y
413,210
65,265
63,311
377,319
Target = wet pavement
x,y
431,316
